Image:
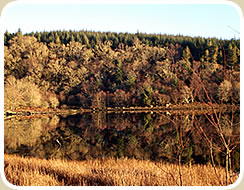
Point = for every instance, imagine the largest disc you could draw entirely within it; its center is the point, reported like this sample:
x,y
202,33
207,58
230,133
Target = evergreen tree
x,y
231,56
7,37
187,54
57,39
19,33
119,71
85,40
72,39
214,54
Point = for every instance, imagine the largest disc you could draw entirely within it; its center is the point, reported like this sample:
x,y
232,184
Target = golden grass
x,y
110,171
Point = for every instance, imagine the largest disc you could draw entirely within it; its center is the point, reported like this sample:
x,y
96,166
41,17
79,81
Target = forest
x,y
87,69
103,72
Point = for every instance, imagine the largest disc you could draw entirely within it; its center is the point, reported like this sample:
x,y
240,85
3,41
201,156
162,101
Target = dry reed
x,y
108,171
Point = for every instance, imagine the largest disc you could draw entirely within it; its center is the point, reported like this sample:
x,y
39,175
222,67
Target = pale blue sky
x,y
219,20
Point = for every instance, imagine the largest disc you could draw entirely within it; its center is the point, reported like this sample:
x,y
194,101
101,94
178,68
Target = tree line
x,y
104,69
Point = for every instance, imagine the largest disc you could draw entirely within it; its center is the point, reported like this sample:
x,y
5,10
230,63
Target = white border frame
x,y
115,2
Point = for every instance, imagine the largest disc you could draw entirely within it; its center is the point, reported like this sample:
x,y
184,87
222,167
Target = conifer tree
x,y
231,56
19,33
85,39
119,71
187,54
214,54
57,39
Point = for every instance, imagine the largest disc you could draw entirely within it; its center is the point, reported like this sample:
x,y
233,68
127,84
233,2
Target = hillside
x,y
97,69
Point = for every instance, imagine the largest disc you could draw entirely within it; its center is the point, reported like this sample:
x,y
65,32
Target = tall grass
x,y
108,171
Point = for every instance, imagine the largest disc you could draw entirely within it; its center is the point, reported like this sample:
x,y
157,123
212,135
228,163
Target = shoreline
x,y
169,109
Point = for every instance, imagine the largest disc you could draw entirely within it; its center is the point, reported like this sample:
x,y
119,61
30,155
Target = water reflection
x,y
151,136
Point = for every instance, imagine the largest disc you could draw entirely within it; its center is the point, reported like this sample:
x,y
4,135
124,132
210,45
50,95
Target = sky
x,y
205,20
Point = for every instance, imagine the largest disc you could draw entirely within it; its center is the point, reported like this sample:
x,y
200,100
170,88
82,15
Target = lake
x,y
150,136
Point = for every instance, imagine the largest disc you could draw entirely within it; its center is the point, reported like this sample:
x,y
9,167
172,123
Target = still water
x,y
153,136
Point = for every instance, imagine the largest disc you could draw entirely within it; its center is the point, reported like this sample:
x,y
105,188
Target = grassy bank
x,y
114,172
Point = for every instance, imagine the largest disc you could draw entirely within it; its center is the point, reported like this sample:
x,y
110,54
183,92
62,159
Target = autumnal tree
x,y
99,100
224,91
21,93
